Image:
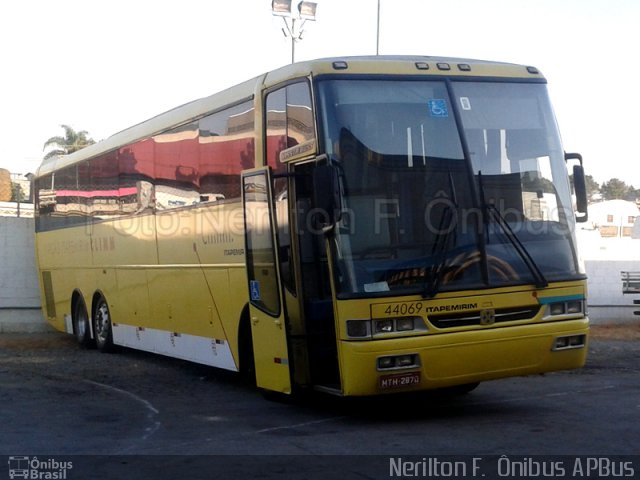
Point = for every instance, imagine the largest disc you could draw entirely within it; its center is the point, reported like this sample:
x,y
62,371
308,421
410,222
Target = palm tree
x,y
71,142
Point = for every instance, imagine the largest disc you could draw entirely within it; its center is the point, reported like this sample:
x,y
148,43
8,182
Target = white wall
x,y
19,294
607,303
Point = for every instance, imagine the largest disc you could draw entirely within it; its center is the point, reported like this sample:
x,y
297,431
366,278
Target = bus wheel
x,y
102,326
81,324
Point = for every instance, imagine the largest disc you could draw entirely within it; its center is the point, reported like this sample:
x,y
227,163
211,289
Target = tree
x,y
71,142
615,189
593,187
633,195
17,193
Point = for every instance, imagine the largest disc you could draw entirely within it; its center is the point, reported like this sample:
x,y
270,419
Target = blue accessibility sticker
x,y
438,107
254,286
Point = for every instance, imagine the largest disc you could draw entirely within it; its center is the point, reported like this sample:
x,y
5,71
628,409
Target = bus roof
x,y
371,65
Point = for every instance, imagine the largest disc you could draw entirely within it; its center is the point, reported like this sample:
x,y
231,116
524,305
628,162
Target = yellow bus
x,y
357,225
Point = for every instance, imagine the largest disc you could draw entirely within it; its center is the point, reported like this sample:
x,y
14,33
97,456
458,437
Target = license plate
x,y
399,380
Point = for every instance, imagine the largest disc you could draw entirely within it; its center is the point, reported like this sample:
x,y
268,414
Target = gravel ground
x,y
64,400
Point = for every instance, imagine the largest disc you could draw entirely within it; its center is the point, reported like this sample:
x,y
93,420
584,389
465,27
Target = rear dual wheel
x,y
102,327
81,328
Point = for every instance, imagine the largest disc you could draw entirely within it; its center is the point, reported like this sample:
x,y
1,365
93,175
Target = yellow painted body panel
x,y
180,271
464,357
465,354
271,352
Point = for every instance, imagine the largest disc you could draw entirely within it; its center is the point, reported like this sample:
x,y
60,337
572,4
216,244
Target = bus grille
x,y
498,315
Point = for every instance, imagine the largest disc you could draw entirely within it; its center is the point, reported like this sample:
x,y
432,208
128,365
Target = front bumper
x,y
448,359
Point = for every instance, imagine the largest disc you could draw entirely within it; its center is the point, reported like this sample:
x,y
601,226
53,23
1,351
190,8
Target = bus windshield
x,y
446,187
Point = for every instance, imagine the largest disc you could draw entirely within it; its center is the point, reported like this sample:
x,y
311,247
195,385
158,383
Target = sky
x,y
104,66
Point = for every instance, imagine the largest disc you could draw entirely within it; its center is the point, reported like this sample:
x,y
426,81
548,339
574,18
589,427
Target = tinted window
x,y
176,163
226,147
289,121
261,264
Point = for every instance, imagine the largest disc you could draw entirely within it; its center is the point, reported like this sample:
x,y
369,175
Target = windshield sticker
x,y
465,103
438,108
376,287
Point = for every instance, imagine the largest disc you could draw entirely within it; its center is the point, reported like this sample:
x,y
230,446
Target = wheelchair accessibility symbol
x,y
438,108
254,286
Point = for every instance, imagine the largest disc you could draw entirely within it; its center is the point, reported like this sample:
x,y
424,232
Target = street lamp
x,y
378,31
306,11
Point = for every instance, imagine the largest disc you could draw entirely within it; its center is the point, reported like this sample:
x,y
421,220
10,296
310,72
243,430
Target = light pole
x,y
306,11
378,31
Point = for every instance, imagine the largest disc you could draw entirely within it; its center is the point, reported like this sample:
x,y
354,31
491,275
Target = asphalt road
x,y
61,401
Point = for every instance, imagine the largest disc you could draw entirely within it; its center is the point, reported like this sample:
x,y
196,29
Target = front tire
x,y
102,326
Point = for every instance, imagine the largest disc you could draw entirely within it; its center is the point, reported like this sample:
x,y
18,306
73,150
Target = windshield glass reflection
x,y
415,215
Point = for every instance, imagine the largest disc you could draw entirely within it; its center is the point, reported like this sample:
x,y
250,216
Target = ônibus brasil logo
x,y
35,469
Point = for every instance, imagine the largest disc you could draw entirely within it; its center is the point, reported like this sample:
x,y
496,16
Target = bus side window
x,y
276,129
226,147
176,167
289,122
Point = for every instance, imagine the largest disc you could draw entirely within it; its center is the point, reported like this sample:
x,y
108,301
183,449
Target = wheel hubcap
x,y
102,322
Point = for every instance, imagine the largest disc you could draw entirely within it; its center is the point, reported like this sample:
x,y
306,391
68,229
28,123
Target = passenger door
x,y
268,319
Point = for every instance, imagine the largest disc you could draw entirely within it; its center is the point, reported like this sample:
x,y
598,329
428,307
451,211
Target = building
x,y
613,218
7,182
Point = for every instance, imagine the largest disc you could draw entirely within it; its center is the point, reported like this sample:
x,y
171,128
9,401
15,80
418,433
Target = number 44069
x,y
411,308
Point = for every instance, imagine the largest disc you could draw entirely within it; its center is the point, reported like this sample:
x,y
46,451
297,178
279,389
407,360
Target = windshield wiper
x,y
540,280
433,276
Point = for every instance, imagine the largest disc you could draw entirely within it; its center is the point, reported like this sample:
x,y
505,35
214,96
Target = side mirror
x,y
579,186
326,196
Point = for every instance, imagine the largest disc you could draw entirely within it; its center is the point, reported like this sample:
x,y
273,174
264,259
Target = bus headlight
x,y
384,326
385,363
404,324
358,328
405,361
556,308
395,362
567,309
574,306
569,342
